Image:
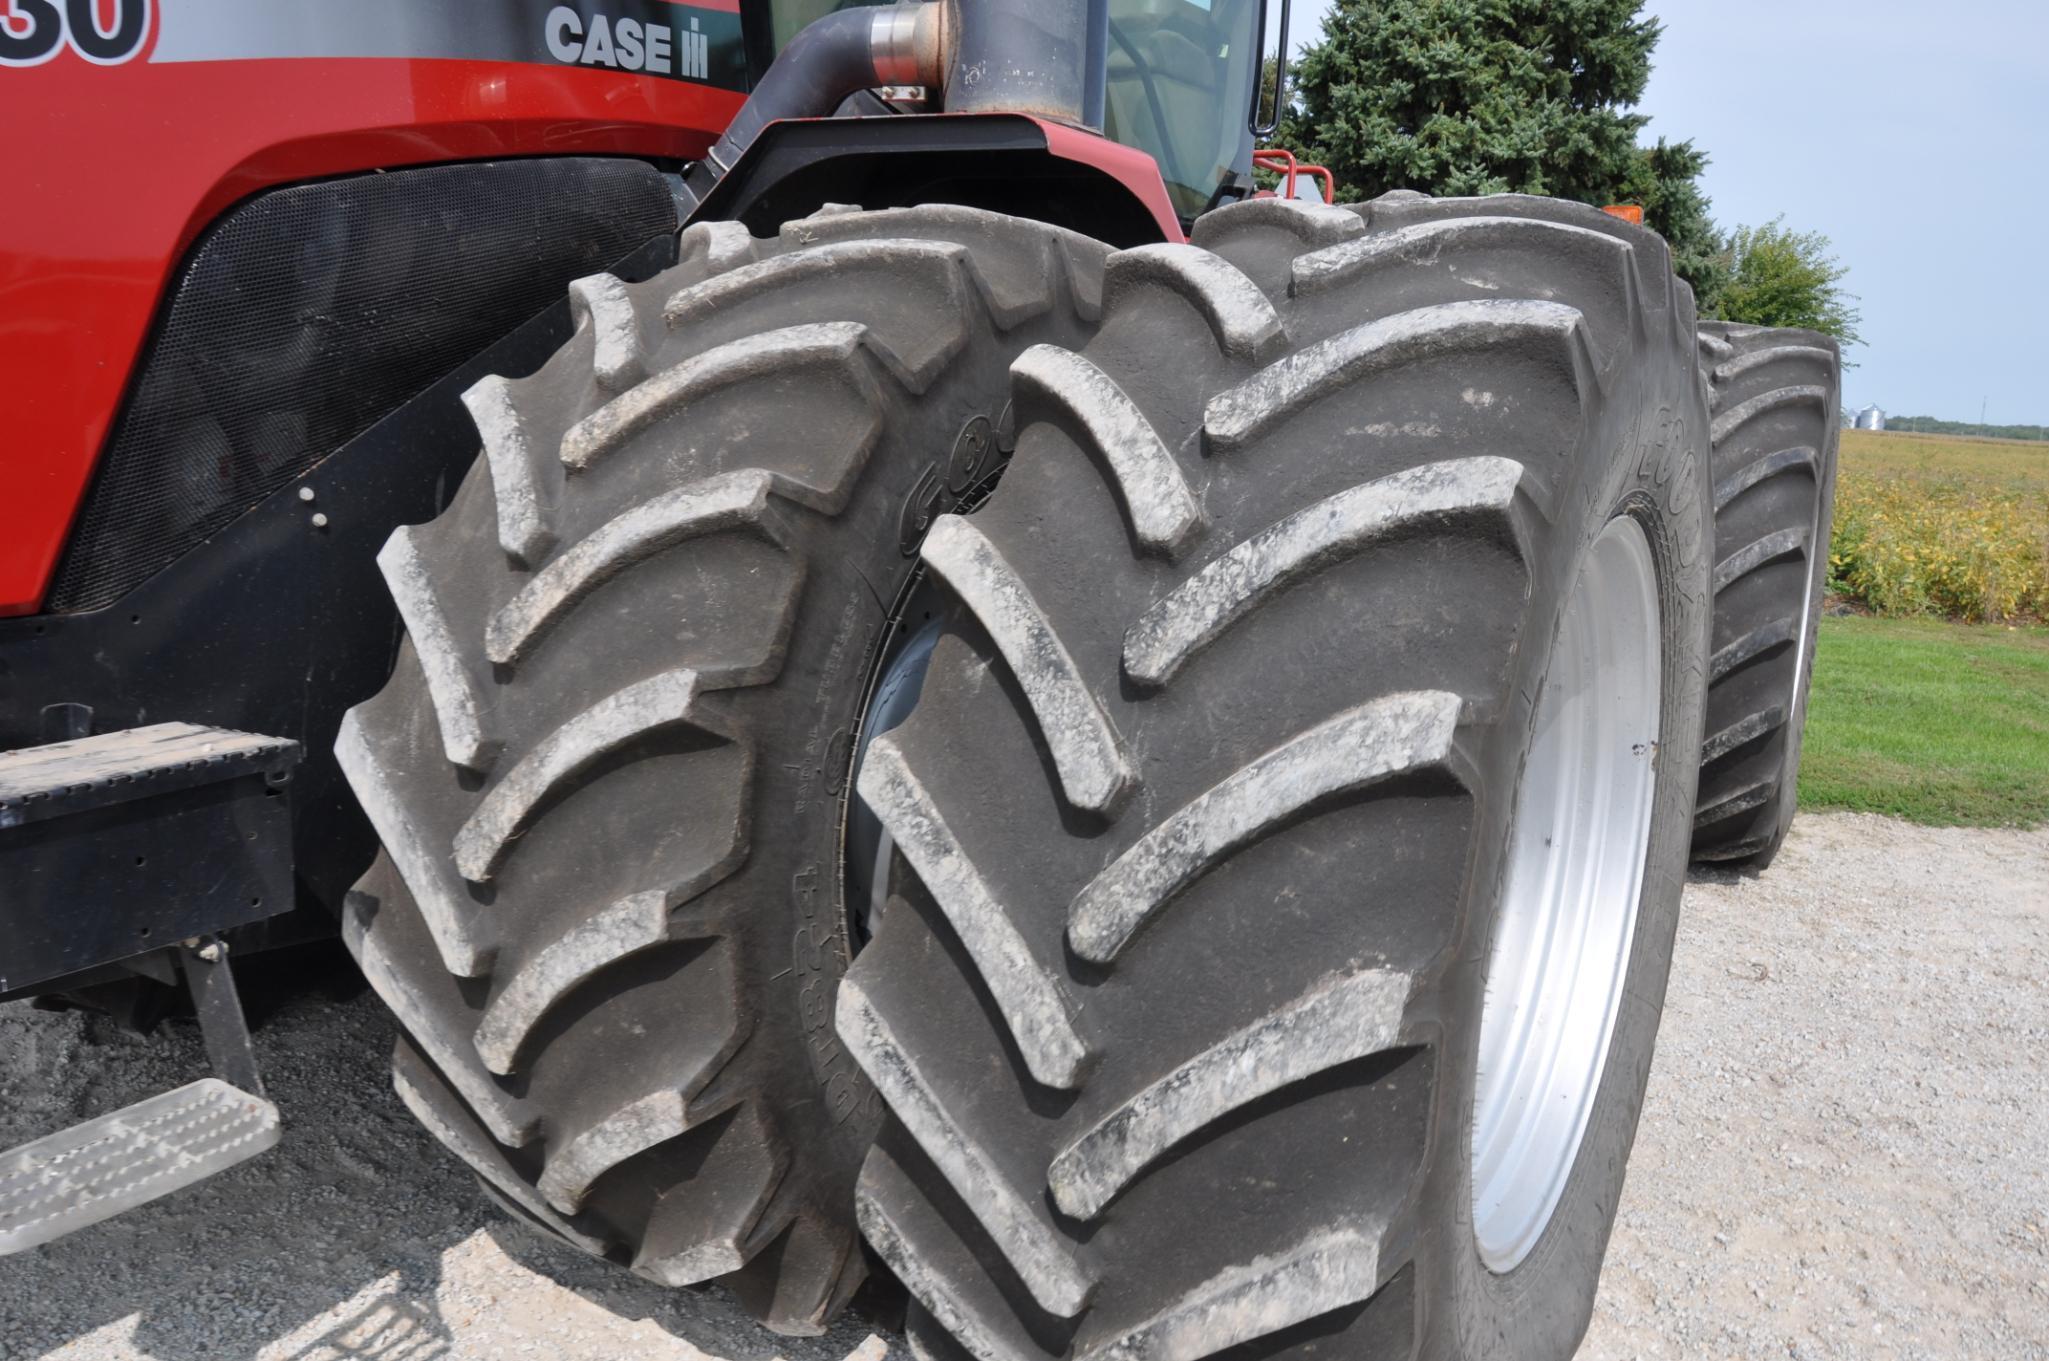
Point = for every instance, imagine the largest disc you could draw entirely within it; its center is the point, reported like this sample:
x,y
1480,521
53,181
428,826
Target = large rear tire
x,y
609,770
1775,397
1255,794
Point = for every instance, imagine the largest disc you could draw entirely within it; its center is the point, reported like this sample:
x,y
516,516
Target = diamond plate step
x,y
95,1170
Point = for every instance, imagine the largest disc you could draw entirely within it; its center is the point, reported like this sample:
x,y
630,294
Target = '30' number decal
x,y
33,31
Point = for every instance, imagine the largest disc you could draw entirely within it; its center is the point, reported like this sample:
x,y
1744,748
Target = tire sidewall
x,y
1645,456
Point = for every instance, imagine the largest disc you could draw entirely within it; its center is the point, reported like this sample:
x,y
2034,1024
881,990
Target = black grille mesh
x,y
308,313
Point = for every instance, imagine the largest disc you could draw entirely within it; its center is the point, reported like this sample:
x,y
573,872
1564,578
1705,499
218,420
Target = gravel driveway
x,y
1845,1154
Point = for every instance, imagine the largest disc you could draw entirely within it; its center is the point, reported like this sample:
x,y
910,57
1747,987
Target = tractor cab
x,y
1178,81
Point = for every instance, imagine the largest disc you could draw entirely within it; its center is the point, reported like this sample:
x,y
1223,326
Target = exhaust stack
x,y
843,53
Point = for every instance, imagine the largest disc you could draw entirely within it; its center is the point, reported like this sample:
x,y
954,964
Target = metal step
x,y
97,1169
39,783
119,844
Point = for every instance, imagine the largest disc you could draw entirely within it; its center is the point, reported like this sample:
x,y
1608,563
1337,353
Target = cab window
x,y
1178,83
1179,87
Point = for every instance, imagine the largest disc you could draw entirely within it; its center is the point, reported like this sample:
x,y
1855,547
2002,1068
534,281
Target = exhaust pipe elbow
x,y
840,54
908,43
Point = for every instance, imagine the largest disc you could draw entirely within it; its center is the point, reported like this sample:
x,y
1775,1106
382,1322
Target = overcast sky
x,y
1915,135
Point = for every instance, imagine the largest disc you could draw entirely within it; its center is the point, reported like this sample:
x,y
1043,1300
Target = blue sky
x,y
1916,136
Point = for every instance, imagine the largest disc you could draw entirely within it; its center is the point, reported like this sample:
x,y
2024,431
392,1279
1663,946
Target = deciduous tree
x,y
1780,277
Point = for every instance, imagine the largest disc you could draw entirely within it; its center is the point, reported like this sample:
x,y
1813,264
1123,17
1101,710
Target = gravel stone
x,y
1845,1153
1845,1149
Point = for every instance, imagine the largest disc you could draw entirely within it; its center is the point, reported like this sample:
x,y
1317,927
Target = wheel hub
x,y
1569,903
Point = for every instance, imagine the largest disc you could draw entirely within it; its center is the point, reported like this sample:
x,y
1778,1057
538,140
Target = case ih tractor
x,y
887,668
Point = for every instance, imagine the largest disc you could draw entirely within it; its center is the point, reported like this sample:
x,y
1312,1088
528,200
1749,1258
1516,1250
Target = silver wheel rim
x,y
1569,901
1817,575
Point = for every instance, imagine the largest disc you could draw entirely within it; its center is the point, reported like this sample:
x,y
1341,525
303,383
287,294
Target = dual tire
x,y
1775,402
1198,1011
1219,812
609,771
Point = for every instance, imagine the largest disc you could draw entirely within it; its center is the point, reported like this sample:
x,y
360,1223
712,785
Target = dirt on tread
x,y
607,771
1774,396
1206,668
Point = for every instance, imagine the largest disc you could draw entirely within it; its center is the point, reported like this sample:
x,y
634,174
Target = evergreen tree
x,y
1665,180
1456,97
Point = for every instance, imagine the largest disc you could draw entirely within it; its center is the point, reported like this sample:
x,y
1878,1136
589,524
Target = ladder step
x,y
95,1170
39,783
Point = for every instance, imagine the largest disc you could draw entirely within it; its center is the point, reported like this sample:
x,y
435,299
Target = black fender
x,y
1006,163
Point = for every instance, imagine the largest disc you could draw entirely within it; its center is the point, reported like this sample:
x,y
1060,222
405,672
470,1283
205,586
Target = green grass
x,y
1940,723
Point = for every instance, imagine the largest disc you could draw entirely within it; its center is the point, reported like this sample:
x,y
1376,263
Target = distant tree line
x,y
1460,97
1929,425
